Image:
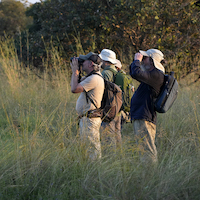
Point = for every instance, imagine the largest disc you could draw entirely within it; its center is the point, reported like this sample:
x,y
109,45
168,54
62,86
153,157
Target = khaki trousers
x,y
111,134
90,136
145,133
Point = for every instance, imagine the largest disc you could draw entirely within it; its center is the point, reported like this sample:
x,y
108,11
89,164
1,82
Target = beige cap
x,y
157,56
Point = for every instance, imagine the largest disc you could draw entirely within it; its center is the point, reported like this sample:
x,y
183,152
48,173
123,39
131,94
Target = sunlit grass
x,y
43,158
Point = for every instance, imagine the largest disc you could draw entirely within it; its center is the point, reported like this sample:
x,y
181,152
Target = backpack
x,y
168,94
111,102
125,82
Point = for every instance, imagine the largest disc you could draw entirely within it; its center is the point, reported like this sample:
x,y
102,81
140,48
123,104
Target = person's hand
x,y
74,66
138,56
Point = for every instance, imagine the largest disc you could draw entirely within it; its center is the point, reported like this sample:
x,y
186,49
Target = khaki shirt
x,y
94,86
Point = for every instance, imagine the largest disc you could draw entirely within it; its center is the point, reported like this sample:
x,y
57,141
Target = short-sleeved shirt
x,y
94,86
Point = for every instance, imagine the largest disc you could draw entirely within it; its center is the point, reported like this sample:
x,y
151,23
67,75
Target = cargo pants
x,y
145,133
90,136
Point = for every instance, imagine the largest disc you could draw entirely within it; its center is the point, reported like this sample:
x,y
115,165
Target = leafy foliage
x,y
125,26
171,26
12,17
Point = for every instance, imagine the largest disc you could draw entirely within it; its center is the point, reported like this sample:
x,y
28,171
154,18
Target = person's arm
x,y
148,77
75,86
135,64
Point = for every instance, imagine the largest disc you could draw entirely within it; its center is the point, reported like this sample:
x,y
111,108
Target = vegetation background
x,y
41,155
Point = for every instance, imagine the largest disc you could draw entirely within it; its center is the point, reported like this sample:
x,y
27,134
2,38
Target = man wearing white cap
x,y
147,69
109,61
113,128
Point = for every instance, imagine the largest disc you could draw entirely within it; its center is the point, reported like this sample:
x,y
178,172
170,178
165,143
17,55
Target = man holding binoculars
x,y
91,88
146,68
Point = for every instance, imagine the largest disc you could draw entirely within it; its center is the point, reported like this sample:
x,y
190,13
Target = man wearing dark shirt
x,y
148,70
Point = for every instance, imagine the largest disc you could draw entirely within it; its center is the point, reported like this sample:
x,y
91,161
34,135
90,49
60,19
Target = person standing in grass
x,y
91,86
111,130
147,69
126,84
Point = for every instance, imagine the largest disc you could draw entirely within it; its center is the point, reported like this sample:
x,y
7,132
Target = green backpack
x,y
125,82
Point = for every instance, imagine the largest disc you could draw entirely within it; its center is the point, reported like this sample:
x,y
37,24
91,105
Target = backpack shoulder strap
x,y
87,96
93,72
98,74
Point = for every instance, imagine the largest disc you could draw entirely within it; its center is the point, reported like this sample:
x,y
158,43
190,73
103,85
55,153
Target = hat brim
x,y
113,61
83,57
144,53
86,57
159,66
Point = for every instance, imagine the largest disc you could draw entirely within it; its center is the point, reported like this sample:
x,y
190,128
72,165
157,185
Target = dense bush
x,y
124,26
13,19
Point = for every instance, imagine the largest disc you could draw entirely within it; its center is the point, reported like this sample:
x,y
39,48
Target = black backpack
x,y
168,94
111,102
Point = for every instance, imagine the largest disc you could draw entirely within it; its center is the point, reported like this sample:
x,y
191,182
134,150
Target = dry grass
x,y
42,157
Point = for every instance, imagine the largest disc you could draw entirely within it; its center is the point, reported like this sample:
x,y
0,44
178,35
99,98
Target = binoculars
x,y
80,61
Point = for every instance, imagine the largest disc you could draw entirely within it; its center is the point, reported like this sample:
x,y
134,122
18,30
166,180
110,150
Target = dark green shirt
x,y
108,74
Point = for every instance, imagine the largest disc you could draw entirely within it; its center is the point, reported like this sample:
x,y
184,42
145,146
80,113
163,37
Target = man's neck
x,y
89,71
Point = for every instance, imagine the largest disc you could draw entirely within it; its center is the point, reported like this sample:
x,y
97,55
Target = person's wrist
x,y
76,72
137,62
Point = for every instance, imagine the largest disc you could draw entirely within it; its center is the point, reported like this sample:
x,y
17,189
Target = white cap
x,y
157,56
108,55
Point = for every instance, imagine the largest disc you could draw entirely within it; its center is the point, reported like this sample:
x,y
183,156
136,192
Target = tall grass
x,y
42,157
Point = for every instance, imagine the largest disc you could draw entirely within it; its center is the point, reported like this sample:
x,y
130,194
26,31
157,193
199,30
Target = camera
x,y
80,61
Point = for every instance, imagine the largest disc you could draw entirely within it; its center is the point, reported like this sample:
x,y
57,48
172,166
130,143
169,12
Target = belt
x,y
92,113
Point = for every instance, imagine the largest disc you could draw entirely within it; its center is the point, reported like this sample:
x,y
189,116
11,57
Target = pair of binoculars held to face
x,y
80,61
